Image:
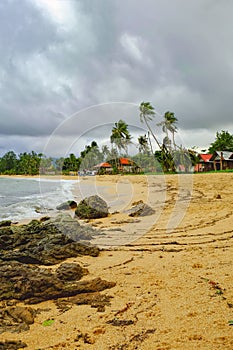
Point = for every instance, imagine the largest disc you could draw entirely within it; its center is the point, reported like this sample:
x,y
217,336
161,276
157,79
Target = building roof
x,y
225,155
205,157
125,161
103,165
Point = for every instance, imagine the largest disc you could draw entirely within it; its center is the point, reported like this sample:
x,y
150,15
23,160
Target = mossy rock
x,y
92,207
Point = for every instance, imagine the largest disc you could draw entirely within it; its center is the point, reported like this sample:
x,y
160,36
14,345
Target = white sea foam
x,y
21,200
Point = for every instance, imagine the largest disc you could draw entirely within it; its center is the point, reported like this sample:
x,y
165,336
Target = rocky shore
x,y
26,250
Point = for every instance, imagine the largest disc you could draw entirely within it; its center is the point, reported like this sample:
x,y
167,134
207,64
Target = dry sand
x,y
174,282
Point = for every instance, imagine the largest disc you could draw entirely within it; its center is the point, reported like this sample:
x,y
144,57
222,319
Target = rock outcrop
x,y
92,207
16,318
5,223
12,345
48,242
35,284
45,242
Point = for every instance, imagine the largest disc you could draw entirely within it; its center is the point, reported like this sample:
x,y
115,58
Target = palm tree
x,y
105,151
143,144
146,114
120,136
169,124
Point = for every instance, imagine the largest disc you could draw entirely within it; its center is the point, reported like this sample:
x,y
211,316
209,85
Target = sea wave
x,y
43,200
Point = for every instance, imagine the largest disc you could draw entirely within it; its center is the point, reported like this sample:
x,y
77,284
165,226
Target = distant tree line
x,y
167,158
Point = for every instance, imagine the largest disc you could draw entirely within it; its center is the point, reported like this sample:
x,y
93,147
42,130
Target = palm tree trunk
x,y
152,152
149,128
173,140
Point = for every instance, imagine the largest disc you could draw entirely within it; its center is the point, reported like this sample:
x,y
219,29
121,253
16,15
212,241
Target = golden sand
x,y
175,283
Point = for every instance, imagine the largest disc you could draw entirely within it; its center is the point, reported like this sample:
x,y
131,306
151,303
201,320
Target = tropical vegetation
x,y
155,153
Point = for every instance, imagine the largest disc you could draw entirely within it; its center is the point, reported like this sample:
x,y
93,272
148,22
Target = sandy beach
x,y
173,269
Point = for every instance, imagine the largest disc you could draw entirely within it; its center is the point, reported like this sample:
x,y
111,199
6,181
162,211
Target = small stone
x,y
140,209
67,205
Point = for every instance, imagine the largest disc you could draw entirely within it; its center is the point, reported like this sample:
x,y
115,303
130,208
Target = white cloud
x,y
59,10
131,45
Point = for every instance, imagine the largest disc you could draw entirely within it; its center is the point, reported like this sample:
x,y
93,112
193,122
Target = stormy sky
x,y
71,68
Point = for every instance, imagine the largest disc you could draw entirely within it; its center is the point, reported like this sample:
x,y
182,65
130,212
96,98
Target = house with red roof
x,y
205,163
104,168
125,165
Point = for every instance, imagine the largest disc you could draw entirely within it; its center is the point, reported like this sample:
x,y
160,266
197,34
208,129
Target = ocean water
x,y
23,198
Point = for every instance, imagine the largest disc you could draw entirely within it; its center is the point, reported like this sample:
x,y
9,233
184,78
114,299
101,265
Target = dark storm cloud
x,y
177,54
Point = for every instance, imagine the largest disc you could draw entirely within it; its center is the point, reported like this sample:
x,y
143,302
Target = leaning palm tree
x,y
171,121
120,136
146,114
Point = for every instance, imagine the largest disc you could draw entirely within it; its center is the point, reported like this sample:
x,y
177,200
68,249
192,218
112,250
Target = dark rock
x,y
96,300
72,228
92,207
12,345
70,272
67,205
16,319
5,223
35,284
140,209
44,218
48,242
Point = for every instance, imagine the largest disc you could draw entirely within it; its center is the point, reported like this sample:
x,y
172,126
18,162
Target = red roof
x,y
103,165
205,157
125,161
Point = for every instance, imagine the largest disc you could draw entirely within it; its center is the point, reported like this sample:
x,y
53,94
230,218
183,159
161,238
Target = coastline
x,y
173,288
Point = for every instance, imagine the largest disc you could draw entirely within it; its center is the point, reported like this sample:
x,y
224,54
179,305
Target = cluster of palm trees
x,y
169,154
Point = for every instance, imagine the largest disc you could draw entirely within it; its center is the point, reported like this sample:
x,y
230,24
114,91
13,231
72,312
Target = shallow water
x,y
22,198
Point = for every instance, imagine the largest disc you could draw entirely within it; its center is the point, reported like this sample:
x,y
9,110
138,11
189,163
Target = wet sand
x,y
173,270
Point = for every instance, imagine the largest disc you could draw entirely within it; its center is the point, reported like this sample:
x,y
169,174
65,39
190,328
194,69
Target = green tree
x,y
29,163
223,142
8,163
120,136
70,163
143,144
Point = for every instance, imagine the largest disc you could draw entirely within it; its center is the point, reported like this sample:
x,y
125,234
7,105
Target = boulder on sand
x,y
67,205
140,209
92,207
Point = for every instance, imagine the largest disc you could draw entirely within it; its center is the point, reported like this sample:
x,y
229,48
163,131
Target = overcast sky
x,y
59,58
